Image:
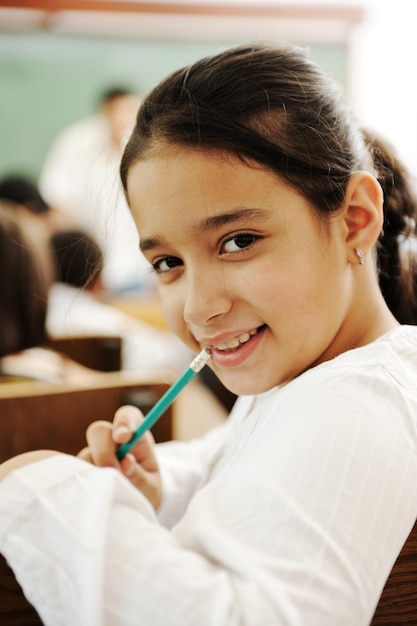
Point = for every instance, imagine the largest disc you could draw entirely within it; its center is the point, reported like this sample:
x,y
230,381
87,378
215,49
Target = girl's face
x,y
243,266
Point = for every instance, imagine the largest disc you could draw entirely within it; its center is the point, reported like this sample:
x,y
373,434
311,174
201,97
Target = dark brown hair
x,y
24,284
270,105
397,251
78,257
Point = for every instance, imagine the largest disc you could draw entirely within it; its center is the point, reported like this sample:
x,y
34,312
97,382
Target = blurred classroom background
x,y
57,56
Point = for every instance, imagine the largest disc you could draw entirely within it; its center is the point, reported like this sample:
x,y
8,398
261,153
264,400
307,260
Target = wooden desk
x,y
102,353
36,415
145,309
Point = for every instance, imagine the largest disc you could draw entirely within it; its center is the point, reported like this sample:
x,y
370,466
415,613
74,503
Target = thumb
x,y
148,482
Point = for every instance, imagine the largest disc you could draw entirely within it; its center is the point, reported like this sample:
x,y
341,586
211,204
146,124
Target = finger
x,y
85,455
144,452
147,482
128,465
100,442
126,420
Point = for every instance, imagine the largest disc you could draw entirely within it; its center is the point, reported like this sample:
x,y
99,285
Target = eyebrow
x,y
214,222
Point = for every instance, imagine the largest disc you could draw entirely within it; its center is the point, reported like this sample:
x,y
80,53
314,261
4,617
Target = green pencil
x,y
165,401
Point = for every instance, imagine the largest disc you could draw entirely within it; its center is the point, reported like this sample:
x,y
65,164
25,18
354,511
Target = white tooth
x,y
236,341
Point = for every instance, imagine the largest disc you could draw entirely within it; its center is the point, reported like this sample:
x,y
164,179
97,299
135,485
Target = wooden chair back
x,y
397,605
36,415
96,352
15,610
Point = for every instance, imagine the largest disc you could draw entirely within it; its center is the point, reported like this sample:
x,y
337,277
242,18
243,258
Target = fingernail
x,y
121,430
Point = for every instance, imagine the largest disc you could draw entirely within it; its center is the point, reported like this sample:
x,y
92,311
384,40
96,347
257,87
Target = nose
x,y
207,295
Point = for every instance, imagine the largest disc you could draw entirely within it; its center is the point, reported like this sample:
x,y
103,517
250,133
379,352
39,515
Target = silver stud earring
x,y
360,255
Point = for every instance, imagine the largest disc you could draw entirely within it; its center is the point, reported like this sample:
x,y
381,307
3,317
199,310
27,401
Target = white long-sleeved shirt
x,y
291,513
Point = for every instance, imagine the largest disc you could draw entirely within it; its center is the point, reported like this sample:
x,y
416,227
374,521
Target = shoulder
x,y
391,359
374,384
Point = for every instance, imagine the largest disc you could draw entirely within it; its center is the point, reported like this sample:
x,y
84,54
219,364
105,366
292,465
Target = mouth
x,y
234,343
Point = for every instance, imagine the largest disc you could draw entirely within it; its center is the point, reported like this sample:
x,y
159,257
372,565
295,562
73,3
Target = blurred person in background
x,y
75,308
21,195
80,176
25,195
24,283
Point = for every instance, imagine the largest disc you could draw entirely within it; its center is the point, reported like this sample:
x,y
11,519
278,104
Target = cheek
x,y
290,289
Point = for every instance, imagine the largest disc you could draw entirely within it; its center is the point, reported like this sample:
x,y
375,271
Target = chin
x,y
246,387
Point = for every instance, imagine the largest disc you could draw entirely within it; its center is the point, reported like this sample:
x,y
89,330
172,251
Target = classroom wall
x,y
383,75
48,80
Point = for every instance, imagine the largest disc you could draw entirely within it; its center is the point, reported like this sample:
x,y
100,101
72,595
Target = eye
x,y
238,242
165,264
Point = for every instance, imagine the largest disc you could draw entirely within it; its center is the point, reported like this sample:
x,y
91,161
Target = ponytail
x,y
397,244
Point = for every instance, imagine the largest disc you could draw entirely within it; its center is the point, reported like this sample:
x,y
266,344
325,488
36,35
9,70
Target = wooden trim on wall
x,y
221,21
347,13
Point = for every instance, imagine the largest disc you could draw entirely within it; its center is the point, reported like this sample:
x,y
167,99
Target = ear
x,y
363,214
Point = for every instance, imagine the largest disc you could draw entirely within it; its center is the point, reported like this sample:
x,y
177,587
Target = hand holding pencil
x,y
134,454
167,399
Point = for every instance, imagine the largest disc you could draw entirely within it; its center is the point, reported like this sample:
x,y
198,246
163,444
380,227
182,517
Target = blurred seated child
x,y
24,282
75,308
24,193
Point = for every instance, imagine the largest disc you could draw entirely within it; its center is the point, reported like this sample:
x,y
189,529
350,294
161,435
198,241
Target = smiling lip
x,y
226,354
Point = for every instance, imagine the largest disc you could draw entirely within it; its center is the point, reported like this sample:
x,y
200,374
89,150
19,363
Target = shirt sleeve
x,y
184,467
88,550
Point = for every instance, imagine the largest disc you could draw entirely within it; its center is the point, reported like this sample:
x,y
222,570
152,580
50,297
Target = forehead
x,y
185,166
192,183
179,195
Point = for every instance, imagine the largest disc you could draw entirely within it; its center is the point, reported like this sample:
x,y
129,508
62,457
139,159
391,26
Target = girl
x,y
259,210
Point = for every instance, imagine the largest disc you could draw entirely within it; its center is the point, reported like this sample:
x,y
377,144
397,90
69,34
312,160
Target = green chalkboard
x,y
49,80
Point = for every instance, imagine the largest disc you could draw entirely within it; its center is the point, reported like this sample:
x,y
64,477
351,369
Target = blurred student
x,y
24,192
22,195
76,308
24,282
80,176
